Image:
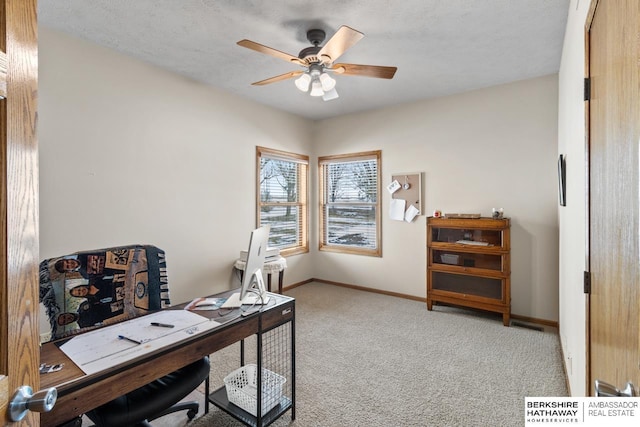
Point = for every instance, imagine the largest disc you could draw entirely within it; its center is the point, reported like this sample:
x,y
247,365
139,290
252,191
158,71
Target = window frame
x,y
303,195
323,245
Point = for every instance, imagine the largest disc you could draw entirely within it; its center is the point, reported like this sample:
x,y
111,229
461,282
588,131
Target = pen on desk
x,y
163,325
122,337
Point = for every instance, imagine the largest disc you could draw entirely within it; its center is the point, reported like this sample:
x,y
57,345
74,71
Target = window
x,y
282,199
350,203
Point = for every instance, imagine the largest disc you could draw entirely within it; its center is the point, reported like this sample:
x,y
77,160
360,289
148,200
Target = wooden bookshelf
x,y
468,264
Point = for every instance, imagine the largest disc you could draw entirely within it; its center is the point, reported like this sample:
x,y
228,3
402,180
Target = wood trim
x,y
304,198
363,155
297,284
4,394
281,155
19,249
3,74
350,250
3,213
587,150
543,322
479,223
303,194
375,291
3,49
257,181
590,14
294,251
320,207
379,205
4,368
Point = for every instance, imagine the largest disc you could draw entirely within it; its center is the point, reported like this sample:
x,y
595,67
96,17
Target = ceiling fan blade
x,y
365,70
342,40
270,51
281,77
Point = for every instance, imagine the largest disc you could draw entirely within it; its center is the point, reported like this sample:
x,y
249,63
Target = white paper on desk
x,y
101,349
396,210
411,213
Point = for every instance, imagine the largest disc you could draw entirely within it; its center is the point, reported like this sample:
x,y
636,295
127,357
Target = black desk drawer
x,y
278,316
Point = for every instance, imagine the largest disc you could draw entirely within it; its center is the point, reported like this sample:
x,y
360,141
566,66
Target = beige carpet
x,y
364,359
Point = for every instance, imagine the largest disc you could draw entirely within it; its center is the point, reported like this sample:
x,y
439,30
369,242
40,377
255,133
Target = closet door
x,y
614,165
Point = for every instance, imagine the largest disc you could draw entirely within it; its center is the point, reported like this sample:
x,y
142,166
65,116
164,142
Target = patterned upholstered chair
x,y
90,289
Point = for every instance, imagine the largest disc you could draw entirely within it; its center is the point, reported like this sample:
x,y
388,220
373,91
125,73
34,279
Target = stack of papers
x,y
109,346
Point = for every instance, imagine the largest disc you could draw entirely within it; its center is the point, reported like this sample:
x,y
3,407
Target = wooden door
x,y
19,350
613,31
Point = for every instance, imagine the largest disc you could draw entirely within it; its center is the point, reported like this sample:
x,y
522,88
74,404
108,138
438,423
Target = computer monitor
x,y
253,290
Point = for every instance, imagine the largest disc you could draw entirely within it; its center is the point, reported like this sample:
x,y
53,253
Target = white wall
x,y
571,143
494,147
130,153
133,154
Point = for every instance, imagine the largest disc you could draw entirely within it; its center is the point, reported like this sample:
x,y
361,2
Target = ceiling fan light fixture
x,y
303,82
327,82
332,94
316,88
319,62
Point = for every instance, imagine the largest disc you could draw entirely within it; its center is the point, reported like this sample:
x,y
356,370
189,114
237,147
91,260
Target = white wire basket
x,y
242,388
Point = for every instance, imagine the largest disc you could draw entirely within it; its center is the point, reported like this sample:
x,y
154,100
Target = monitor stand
x,y
256,295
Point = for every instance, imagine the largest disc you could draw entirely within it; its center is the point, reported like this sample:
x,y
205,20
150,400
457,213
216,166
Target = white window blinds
x,y
350,208
282,198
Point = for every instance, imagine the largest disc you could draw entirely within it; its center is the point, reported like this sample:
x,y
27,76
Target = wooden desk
x,y
78,393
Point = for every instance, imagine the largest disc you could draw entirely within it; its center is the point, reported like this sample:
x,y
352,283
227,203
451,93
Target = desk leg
x,y
206,393
293,365
259,373
269,282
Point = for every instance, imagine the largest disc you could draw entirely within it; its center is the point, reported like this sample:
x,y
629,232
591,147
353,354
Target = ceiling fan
x,y
318,61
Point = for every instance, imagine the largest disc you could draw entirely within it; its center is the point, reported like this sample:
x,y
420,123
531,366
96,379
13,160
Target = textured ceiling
x,y
440,47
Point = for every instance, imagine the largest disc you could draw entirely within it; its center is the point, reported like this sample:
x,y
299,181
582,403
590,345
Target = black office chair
x,y
90,289
155,399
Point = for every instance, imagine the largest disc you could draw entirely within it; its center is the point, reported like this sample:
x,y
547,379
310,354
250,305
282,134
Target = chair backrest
x,y
89,289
